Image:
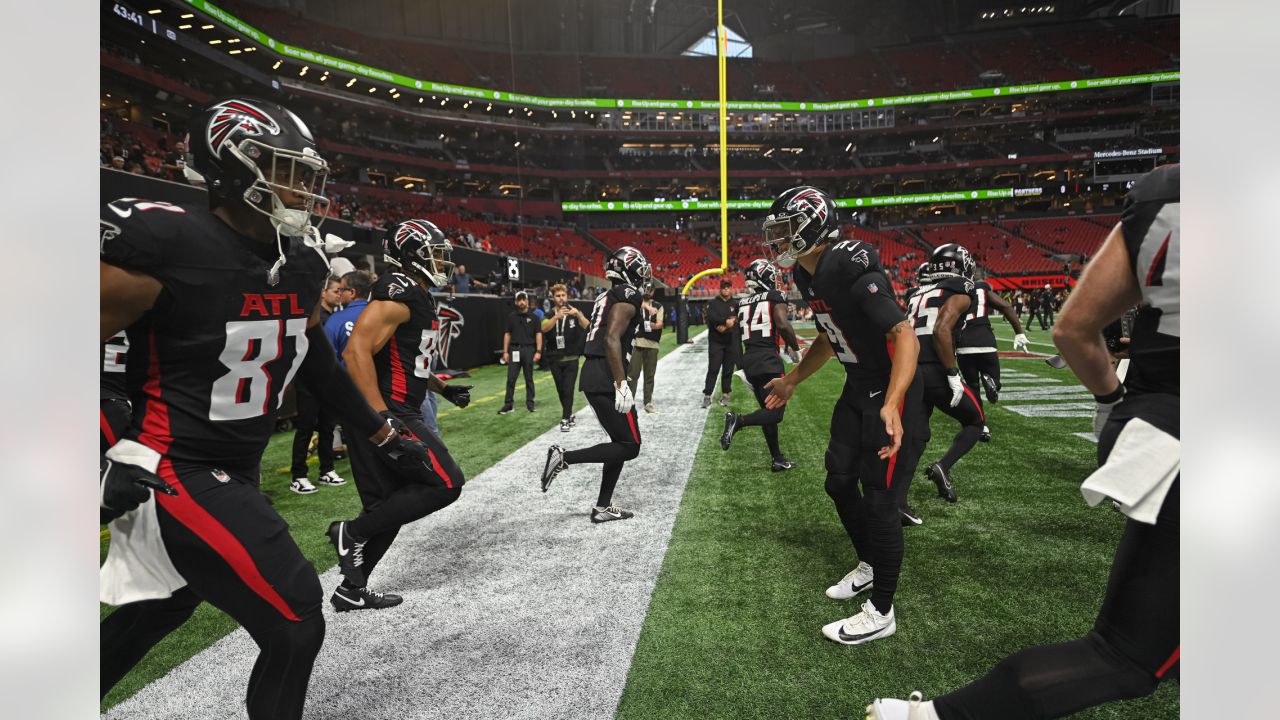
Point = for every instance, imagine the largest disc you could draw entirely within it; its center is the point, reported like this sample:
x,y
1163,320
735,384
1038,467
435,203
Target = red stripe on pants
x,y
981,415
631,420
397,372
448,481
106,428
893,459
1177,652
195,518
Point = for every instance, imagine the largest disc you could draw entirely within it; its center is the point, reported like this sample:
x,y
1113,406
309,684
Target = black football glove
x,y
459,395
405,451
123,486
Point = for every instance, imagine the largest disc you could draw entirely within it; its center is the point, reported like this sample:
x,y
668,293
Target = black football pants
x,y
870,517
128,634
973,366
565,375
768,420
514,367
311,419
720,359
1132,647
235,553
390,499
937,394
623,445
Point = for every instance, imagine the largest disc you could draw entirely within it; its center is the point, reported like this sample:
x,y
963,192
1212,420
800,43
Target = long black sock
x,y
376,547
771,439
964,442
608,481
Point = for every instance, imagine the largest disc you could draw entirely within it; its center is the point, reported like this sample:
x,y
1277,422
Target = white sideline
x,y
516,606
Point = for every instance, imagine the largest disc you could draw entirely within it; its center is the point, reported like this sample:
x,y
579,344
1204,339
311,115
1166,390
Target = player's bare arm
x,y
783,325
1006,309
657,316
124,297
373,329
780,389
1105,291
906,350
620,317
943,330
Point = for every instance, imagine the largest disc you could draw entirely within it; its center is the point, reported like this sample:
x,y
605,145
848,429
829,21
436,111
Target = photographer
x,y
563,336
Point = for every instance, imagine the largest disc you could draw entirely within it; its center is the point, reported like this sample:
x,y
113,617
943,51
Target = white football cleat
x,y
911,709
864,627
858,579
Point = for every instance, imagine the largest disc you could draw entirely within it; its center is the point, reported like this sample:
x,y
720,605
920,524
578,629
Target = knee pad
x,y
840,486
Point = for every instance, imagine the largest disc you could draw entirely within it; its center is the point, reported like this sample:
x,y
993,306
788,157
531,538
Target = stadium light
x,y
391,90
233,40
441,136
215,42
848,147
517,144
250,49
373,89
185,27
351,82
510,110
442,102
489,107
186,16
153,12
206,27
234,52
303,71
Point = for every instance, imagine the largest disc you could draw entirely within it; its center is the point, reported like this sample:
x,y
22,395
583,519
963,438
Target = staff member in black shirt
x,y
521,348
644,354
722,343
564,337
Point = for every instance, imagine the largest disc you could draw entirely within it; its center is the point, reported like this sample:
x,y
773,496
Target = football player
x,y
875,416
1134,643
219,305
976,348
389,355
763,319
936,310
614,321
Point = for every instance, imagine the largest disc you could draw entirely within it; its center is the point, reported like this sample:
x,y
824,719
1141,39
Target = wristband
x,y
1111,398
952,372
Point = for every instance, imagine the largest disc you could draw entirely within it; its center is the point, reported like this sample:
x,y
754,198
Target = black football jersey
x,y
112,383
760,340
853,303
595,375
977,331
1152,233
923,306
210,362
404,363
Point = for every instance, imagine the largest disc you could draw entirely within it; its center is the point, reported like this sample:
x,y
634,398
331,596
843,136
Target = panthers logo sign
x,y
451,322
236,116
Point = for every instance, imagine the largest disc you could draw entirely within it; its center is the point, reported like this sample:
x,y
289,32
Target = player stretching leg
x,y
1134,644
389,355
614,321
763,319
936,310
220,306
875,416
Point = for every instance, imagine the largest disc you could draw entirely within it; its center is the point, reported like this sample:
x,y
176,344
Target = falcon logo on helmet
x,y
800,220
812,199
949,260
229,116
761,275
628,265
420,248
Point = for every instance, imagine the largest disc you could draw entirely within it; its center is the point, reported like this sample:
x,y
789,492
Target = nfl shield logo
x,y
871,287
221,476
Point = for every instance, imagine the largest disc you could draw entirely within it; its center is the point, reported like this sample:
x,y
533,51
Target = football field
x,y
708,603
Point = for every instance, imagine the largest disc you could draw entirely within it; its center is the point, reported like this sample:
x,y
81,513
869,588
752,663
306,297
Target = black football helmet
x,y
761,275
800,220
257,150
922,272
628,265
421,249
950,259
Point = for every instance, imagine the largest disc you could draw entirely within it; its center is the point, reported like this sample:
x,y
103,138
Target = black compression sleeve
x,y
324,377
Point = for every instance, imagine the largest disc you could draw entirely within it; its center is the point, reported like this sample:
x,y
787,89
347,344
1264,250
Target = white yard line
x,y
516,606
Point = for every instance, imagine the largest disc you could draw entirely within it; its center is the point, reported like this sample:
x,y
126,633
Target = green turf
x,y
477,438
733,627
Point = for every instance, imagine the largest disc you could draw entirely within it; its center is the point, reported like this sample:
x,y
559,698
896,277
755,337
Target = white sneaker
x,y
649,408
858,579
302,486
910,709
331,478
864,627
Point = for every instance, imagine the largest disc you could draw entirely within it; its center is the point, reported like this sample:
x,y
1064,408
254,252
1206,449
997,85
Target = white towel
x,y
1138,473
138,566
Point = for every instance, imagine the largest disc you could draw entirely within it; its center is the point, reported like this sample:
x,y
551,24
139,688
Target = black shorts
x,y
595,376
937,394
376,478
973,363
857,433
232,547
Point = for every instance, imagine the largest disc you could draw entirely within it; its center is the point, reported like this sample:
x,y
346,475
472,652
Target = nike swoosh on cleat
x,y
863,636
342,552
361,603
